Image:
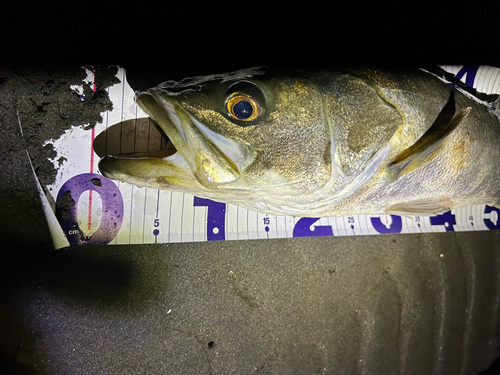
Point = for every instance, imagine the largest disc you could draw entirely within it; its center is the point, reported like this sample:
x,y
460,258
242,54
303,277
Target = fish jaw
x,y
201,149
171,172
202,159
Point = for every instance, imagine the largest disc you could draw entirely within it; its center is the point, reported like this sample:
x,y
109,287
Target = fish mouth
x,y
195,155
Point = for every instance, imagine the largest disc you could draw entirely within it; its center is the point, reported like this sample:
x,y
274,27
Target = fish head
x,y
246,136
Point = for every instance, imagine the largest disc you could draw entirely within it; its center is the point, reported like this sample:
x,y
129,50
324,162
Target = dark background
x,y
186,38
104,309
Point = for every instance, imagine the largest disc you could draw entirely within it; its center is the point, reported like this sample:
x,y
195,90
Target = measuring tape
x,y
101,211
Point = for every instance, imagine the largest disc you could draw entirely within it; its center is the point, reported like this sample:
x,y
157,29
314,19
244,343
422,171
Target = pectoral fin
x,y
428,206
431,143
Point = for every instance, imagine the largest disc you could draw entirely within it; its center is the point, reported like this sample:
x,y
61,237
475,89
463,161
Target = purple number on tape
x,y
490,224
303,228
447,219
112,209
395,226
470,72
215,220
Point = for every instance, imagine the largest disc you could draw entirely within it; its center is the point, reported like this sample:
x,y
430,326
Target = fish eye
x,y
244,102
242,107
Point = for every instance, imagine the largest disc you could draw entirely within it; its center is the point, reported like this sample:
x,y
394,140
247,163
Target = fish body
x,y
323,143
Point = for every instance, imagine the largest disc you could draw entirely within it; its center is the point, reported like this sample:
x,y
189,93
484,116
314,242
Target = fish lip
x,y
173,116
172,134
139,172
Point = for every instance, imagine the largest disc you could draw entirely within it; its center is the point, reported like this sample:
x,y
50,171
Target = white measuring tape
x,y
112,212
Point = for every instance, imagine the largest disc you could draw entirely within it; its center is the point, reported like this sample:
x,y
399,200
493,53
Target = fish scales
x,y
324,143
